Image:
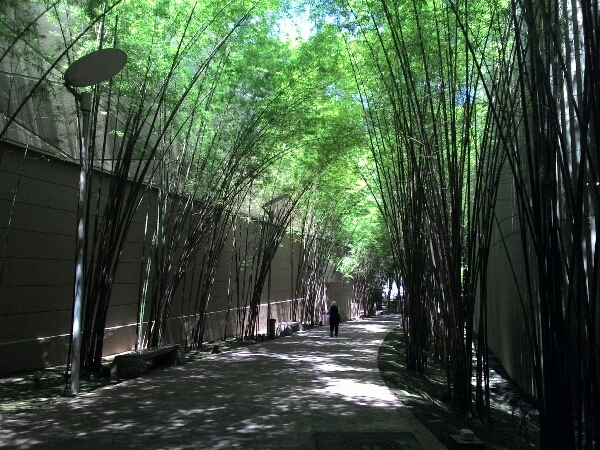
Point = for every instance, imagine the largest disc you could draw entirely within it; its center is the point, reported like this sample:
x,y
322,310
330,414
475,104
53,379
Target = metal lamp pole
x,y
88,70
85,101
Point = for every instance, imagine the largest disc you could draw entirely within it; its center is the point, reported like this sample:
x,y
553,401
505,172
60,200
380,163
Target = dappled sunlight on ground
x,y
366,327
358,391
272,395
332,367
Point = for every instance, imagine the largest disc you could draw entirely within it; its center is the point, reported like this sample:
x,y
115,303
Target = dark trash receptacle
x,y
271,328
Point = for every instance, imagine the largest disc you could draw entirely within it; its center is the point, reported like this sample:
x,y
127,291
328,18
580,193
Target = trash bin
x,y
271,328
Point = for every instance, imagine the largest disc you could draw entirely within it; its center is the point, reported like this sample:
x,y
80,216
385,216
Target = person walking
x,y
334,318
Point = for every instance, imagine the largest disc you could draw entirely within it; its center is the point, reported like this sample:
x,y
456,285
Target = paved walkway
x,y
307,391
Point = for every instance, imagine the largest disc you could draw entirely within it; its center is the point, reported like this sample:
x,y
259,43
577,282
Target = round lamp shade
x,y
95,67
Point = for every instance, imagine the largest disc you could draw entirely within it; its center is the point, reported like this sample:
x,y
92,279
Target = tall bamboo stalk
x,y
546,113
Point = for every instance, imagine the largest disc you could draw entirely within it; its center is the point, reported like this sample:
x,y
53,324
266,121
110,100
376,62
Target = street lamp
x,y
89,70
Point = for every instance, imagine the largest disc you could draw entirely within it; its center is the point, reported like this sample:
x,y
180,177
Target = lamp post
x,y
89,70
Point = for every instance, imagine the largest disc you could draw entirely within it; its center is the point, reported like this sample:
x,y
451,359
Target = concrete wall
x,y
340,289
37,228
38,201
507,331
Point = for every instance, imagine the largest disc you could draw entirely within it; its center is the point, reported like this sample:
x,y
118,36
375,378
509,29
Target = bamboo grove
x,y
472,90
375,145
200,133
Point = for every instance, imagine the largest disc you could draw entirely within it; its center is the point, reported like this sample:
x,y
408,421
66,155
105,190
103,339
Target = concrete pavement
x,y
306,391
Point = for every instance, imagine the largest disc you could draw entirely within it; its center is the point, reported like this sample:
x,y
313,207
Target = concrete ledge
x,y
133,365
369,440
475,444
295,326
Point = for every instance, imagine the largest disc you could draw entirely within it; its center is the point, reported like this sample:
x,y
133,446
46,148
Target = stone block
x,y
475,444
286,331
130,366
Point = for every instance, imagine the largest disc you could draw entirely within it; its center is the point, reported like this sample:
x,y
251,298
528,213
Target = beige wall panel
x,y
26,217
16,174
39,245
125,294
128,273
19,272
136,235
507,330
218,302
341,292
132,253
282,311
214,327
39,192
119,340
172,332
29,299
34,354
46,324
121,315
280,287
36,292
39,166
219,289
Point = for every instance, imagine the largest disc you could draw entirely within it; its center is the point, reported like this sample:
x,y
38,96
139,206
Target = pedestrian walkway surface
x,y
307,391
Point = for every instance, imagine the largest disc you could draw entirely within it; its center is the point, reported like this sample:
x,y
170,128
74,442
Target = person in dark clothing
x,y
334,319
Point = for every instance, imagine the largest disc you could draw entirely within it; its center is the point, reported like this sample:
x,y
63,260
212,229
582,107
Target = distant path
x,y
306,391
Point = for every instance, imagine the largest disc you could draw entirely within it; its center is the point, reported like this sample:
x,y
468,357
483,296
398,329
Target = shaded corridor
x,y
306,391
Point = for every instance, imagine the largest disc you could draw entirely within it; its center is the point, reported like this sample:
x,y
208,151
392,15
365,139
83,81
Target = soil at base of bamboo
x,y
425,396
